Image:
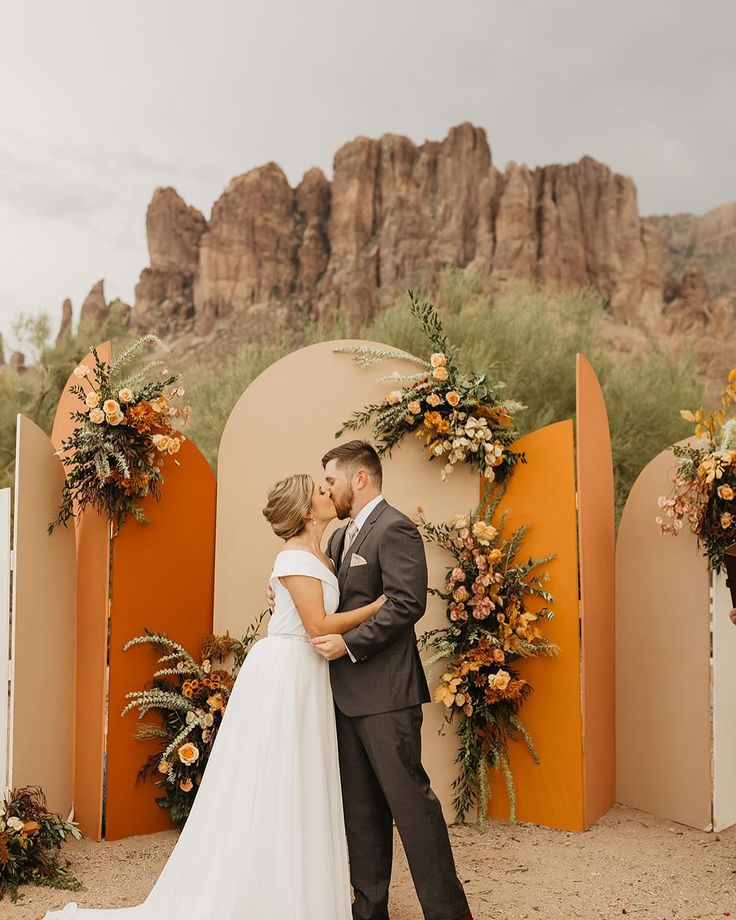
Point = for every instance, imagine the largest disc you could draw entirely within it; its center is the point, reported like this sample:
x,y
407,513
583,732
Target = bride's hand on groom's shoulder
x,y
330,647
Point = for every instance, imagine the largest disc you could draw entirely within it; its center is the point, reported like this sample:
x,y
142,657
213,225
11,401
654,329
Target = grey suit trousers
x,y
383,781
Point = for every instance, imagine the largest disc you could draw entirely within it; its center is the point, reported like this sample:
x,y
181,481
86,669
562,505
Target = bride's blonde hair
x,y
289,505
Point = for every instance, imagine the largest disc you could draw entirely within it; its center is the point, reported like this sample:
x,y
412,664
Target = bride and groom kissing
x,y
322,736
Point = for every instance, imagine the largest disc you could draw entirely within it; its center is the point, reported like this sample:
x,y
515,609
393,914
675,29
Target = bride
x,y
265,837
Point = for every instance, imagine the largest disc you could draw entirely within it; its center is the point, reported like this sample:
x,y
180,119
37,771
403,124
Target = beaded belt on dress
x,y
288,636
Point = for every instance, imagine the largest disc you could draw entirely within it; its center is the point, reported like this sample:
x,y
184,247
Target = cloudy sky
x,y
101,102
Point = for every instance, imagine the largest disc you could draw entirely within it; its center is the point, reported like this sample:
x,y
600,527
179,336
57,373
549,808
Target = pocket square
x,y
355,559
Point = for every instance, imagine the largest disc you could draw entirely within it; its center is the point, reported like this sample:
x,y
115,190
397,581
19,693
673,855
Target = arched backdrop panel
x,y
162,579
596,540
43,625
93,562
723,694
663,718
283,424
4,636
541,493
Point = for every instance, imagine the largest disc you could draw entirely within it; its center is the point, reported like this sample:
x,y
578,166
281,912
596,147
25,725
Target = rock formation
x,y
94,307
65,329
394,215
163,295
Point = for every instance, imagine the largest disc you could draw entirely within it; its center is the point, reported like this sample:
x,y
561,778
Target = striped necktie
x,y
350,533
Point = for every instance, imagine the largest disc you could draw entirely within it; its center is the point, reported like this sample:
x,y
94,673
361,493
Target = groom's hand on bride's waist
x,y
330,647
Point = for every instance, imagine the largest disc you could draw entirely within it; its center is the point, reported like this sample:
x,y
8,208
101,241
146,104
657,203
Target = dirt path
x,y
628,864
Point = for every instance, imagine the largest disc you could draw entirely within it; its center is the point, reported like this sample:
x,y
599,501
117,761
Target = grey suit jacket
x,y
388,673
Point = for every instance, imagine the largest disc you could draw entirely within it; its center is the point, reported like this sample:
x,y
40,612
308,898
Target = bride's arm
x,y
306,592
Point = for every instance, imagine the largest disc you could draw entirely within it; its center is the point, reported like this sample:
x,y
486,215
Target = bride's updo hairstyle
x,y
289,505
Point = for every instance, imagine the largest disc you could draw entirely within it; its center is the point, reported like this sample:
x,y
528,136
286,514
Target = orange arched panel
x,y
162,579
597,558
542,494
93,559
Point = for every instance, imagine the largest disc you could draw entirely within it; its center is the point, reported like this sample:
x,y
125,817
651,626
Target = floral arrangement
x,y
30,840
704,484
191,699
115,455
458,415
490,628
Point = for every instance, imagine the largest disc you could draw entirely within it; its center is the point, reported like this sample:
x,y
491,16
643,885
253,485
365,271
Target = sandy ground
x,y
629,863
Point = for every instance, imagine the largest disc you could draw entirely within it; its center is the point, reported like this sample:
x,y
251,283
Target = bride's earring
x,y
314,521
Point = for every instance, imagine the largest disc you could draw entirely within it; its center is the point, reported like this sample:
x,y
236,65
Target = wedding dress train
x,y
265,838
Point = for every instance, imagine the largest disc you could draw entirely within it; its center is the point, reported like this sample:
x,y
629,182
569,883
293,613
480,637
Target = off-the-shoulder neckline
x,y
309,553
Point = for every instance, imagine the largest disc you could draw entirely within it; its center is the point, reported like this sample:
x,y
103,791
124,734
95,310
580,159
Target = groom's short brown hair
x,y
356,455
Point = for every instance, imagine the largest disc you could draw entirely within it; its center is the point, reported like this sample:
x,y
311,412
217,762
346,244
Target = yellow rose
x,y
452,397
111,407
97,416
188,753
434,399
126,395
501,680
186,785
414,407
92,400
440,373
726,492
726,520
438,359
161,441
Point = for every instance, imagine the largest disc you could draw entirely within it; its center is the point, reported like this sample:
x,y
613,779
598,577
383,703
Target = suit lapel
x,y
361,535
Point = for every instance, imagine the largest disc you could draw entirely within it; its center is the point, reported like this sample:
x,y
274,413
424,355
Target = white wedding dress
x,y
265,838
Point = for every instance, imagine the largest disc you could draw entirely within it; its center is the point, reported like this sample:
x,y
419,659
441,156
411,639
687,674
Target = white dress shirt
x,y
360,518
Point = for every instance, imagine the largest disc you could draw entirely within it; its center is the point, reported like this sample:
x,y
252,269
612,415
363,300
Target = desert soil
x,y
628,864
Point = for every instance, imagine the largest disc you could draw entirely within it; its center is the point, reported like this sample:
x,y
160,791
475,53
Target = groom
x,y
379,686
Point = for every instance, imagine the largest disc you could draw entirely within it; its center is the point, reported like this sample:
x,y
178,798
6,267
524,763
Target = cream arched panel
x,y
43,625
663,697
283,424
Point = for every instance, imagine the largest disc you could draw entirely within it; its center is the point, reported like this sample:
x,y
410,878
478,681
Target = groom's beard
x,y
344,504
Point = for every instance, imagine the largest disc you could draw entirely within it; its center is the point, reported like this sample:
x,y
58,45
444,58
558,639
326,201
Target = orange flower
x,y
188,753
452,397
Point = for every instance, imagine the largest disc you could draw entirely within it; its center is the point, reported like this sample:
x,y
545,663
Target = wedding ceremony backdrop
x,y
620,714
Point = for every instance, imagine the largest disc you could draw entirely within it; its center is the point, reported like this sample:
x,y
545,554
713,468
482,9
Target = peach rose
x,y
97,416
394,397
161,441
92,400
110,407
159,403
81,371
438,359
115,418
173,445
440,373
452,397
126,395
164,766
726,492
726,520
186,785
188,753
434,399
501,680
414,407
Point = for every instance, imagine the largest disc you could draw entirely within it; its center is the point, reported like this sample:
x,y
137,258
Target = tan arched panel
x,y
162,579
93,561
4,634
596,540
542,494
42,632
283,424
663,719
